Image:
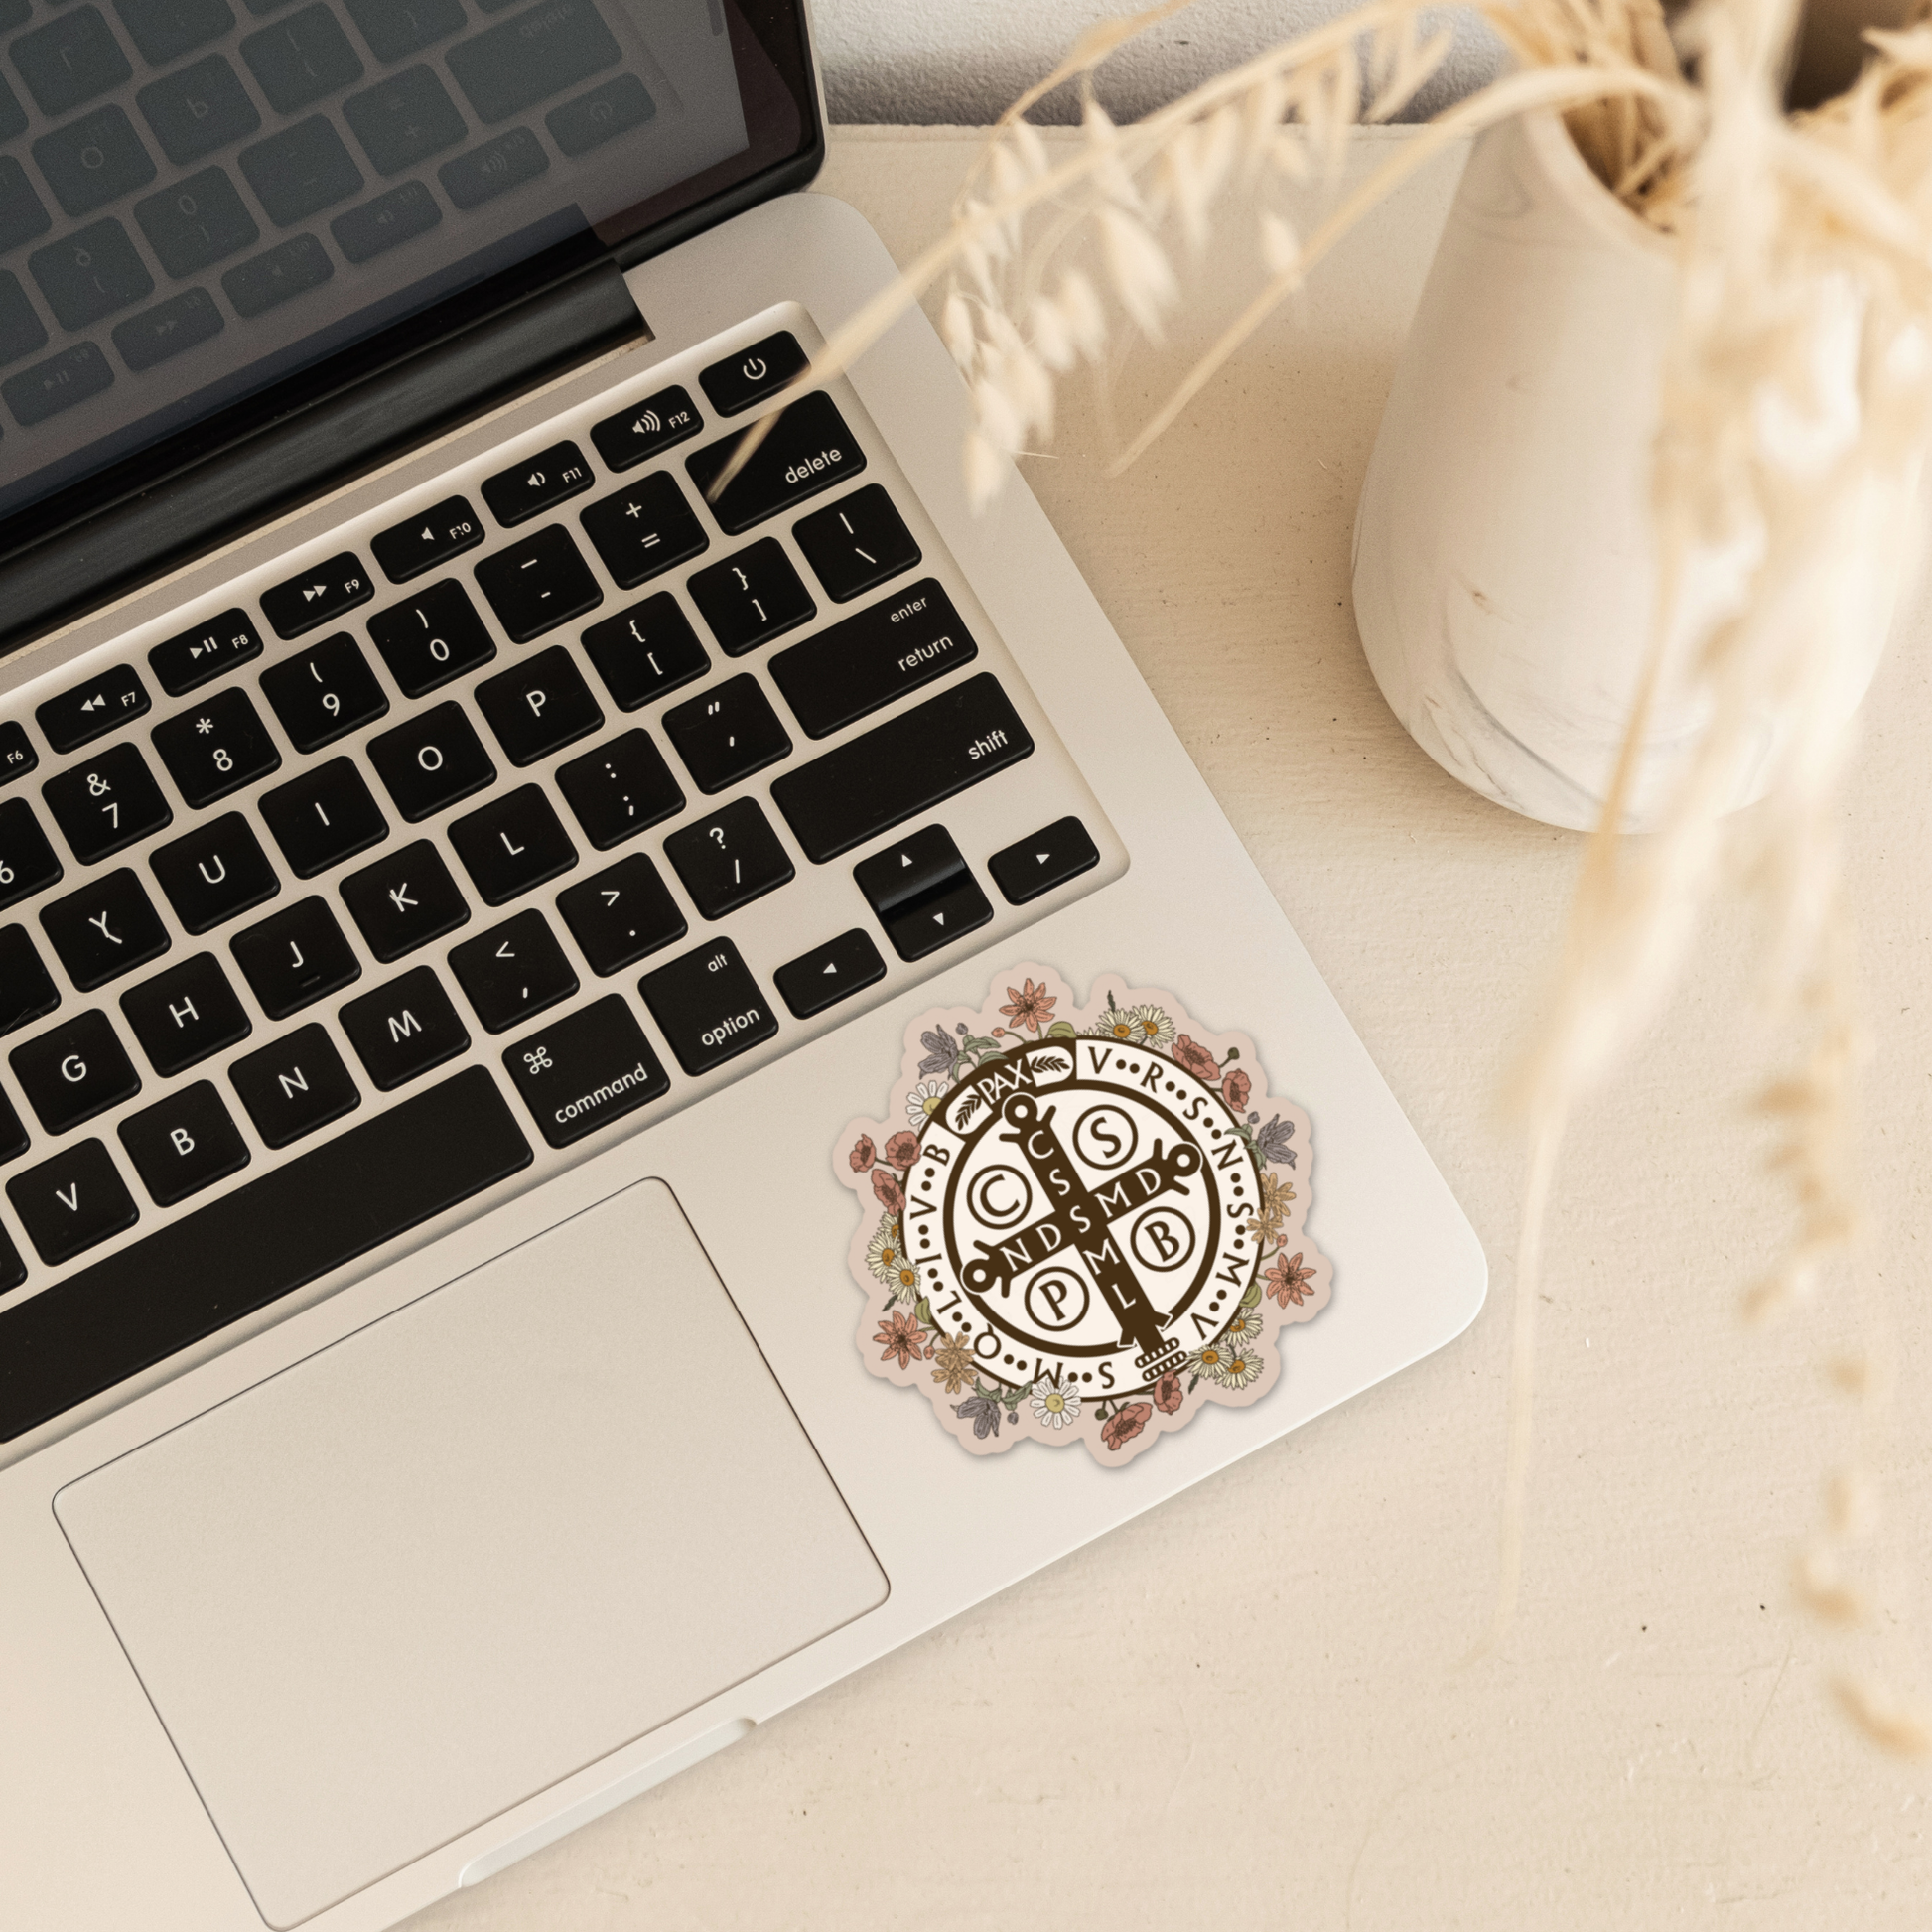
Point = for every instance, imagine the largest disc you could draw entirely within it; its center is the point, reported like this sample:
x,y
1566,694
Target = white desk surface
x,y
1250,1708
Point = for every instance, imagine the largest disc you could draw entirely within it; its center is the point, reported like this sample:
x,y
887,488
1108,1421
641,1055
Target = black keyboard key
x,y
643,529
192,659
727,732
729,858
169,328
829,973
61,382
402,1029
12,1271
107,929
620,788
541,51
621,914
21,329
600,115
184,1143
73,57
13,1134
328,589
216,749
493,169
22,218
911,869
165,30
322,692
300,171
394,31
530,488
938,919
348,1195
512,844
434,636
84,711
13,117
442,531
404,119
106,803
855,544
902,769
1063,851
753,374
17,754
431,761
27,989
513,971
216,872
192,225
708,1007
197,110
295,1085
382,223
93,161
538,584
751,597
300,59
186,1013
404,901
810,450
645,651
277,275
295,957
632,436
539,707
583,1072
873,659
71,1202
26,861
75,1071
322,817
90,273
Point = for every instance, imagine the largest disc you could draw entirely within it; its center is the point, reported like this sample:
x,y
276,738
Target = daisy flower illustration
x,y
923,1101
1242,1366
1054,1406
884,1256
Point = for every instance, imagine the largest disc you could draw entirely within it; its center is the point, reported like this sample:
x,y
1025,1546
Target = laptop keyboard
x,y
547,803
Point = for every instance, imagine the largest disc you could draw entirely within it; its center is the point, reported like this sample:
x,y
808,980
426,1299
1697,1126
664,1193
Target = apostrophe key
x,y
324,692
809,450
824,976
216,749
106,803
79,716
708,1005
325,591
442,531
729,858
727,732
751,597
855,544
645,651
636,435
432,637
530,488
182,663
538,584
586,1069
643,529
753,374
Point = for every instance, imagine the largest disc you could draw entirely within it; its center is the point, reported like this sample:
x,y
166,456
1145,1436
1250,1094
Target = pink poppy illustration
x,y
903,1150
903,1339
1196,1060
862,1155
1286,1281
1235,1090
892,1196
1125,1424
1168,1393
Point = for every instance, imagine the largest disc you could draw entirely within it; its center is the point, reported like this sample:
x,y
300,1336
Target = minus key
x,y
824,976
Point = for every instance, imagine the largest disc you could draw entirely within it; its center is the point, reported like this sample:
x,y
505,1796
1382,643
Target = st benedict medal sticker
x,y
1080,1223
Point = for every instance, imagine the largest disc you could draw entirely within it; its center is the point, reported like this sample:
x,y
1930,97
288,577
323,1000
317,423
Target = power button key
x,y
751,375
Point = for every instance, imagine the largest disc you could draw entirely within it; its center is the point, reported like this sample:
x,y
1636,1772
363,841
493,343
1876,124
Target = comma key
x,y
585,1070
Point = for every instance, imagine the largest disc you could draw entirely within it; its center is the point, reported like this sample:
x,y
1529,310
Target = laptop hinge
x,y
95,557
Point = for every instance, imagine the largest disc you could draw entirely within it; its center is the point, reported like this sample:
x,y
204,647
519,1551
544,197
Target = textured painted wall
x,y
911,63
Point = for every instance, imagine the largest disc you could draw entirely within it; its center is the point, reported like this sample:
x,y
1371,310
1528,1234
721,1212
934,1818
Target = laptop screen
x,y
199,197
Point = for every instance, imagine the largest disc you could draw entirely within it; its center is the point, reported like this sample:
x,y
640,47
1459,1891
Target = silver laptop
x,y
581,1031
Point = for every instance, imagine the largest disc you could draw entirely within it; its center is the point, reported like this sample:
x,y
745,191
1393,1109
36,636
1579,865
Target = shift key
x,y
585,1069
902,767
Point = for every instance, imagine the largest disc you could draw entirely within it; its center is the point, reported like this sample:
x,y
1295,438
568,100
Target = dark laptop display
x,y
203,200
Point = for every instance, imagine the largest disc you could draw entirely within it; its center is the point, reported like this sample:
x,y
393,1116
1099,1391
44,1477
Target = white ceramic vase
x,y
1503,561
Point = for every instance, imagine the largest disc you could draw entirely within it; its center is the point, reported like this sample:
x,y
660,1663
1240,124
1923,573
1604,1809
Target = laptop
x,y
628,1079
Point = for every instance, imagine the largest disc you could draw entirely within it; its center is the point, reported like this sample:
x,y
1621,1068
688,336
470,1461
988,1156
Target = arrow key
x,y
937,920
1050,858
829,973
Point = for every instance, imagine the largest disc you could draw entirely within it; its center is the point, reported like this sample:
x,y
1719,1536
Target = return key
x,y
874,658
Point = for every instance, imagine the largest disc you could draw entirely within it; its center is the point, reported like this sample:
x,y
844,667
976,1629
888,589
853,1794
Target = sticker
x,y
1080,1223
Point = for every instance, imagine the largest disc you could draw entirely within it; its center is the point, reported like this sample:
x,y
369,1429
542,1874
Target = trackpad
x,y
467,1551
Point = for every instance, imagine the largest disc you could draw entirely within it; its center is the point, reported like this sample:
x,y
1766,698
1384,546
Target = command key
x,y
585,1070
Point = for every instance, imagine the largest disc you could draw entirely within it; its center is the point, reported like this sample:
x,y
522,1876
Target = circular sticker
x,y
1088,1225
